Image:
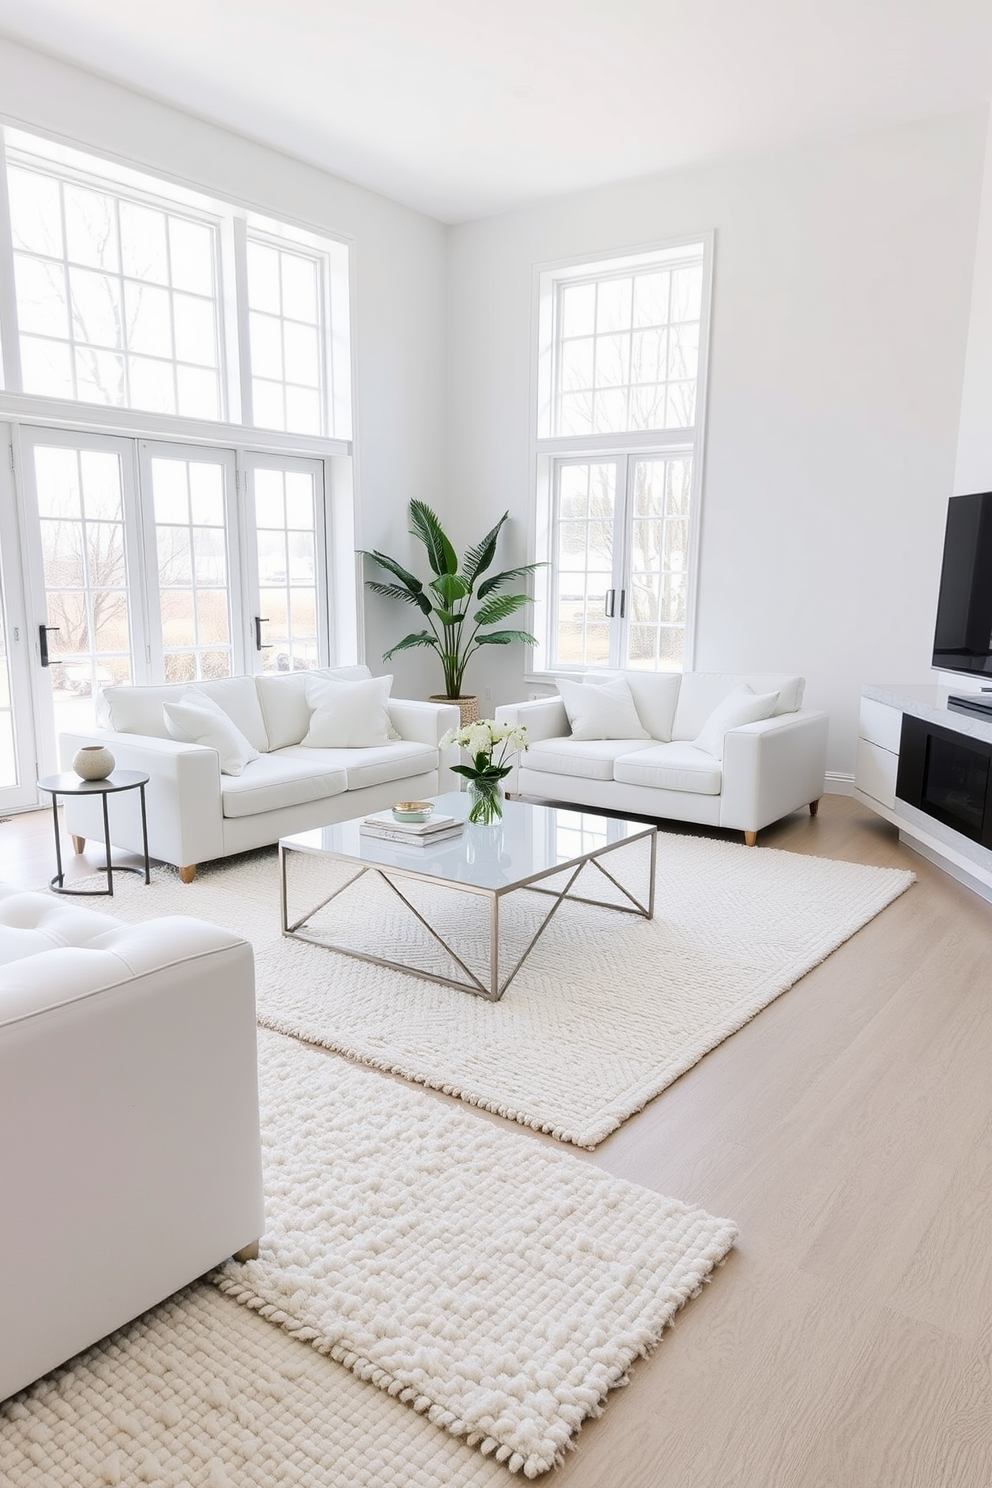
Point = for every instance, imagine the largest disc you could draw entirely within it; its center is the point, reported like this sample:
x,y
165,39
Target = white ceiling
x,y
462,108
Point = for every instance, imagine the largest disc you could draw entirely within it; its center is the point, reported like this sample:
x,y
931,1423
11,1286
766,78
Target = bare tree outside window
x,y
116,299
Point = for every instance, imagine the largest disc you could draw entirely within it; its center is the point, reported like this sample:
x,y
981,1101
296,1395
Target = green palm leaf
x,y
391,566
451,588
440,553
499,607
495,581
400,591
478,559
422,638
506,638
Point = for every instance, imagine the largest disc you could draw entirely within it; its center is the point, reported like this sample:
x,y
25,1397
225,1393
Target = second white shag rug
x,y
498,1286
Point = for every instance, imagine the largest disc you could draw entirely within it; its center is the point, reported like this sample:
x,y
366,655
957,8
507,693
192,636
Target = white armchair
x,y
130,1162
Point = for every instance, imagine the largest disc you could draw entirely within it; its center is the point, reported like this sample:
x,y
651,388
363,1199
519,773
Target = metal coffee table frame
x,y
494,989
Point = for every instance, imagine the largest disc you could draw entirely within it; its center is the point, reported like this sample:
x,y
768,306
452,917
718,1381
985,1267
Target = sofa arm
x,y
544,718
772,767
422,723
185,818
427,723
128,1087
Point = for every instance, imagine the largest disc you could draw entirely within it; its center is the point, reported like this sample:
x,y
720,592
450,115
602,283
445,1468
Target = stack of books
x,y
435,829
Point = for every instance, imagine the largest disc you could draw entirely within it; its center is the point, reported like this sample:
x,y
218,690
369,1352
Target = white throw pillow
x,y
738,707
197,719
348,715
601,710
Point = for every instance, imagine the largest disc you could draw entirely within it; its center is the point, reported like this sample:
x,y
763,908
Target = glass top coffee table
x,y
531,844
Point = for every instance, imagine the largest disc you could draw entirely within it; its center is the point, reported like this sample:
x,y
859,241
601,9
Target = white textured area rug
x,y
202,1394
485,1282
498,1286
608,1010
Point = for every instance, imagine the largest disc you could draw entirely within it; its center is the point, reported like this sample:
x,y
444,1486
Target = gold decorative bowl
x,y
413,811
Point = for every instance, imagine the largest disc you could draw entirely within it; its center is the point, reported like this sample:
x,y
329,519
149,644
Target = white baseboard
x,y
838,783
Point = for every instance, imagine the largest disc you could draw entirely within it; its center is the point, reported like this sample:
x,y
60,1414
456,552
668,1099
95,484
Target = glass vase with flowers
x,y
490,746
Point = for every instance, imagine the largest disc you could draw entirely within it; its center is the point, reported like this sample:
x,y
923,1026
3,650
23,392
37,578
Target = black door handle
x,y
623,603
43,642
261,620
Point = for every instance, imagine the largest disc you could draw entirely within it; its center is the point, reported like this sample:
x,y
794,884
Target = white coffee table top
x,y
529,843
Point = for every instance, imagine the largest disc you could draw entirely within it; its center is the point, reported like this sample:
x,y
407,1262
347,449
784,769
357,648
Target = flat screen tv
x,y
963,635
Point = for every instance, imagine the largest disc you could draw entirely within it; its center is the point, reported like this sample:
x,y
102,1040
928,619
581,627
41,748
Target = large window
x,y
116,301
134,294
176,376
622,374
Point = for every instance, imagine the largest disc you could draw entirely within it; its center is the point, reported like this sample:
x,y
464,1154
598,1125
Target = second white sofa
x,y
196,812
672,758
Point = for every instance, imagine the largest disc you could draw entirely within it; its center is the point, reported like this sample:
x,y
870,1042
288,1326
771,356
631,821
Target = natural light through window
x,y
628,351
287,337
621,374
116,299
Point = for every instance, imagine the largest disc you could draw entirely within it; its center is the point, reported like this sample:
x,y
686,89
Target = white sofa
x,y
130,1162
768,768
196,813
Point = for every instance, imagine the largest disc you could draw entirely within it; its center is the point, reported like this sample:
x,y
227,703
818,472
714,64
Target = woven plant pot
x,y
468,707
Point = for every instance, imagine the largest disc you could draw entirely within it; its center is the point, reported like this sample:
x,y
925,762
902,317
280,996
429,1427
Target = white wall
x,y
842,285
398,267
974,457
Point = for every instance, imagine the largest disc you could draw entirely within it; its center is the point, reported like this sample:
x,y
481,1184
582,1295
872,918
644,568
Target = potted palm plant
x,y
461,603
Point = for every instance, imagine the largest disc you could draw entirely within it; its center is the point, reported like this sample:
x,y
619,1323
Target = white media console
x,y
962,745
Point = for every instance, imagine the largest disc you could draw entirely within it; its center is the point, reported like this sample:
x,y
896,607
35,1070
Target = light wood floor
x,y
847,1341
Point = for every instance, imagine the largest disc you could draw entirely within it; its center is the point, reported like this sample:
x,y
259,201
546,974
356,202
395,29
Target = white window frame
x,y
323,563
550,448
233,222
144,196
234,540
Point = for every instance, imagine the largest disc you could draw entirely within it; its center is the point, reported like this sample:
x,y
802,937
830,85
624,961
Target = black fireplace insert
x,y
948,775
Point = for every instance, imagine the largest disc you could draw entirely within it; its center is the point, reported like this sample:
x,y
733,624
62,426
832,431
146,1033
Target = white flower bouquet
x,y
490,745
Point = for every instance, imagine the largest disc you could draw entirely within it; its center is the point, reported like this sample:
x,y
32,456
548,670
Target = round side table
x,y
68,784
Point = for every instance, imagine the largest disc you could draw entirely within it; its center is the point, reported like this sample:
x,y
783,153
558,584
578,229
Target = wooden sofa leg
x,y
750,838
814,806
247,1252
79,844
187,875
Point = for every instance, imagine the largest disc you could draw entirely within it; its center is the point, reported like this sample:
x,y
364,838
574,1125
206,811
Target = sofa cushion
x,y
238,696
197,719
656,696
701,692
677,767
138,710
375,766
282,697
347,715
591,758
274,781
604,710
738,707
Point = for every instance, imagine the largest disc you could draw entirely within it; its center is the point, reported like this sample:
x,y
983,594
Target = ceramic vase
x,y
93,762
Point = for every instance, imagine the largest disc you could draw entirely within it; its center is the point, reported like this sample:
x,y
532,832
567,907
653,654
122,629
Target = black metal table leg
x,y
60,876
144,834
106,843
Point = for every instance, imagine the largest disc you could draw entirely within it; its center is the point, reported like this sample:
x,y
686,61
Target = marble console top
x,y
928,700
